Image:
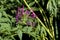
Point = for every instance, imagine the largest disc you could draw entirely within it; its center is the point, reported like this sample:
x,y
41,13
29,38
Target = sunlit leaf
x,y
31,4
19,32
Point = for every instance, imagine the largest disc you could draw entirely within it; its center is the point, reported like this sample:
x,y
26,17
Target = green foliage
x,y
19,33
9,29
52,7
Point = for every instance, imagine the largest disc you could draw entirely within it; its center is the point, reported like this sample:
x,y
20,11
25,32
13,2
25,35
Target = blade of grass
x,y
42,13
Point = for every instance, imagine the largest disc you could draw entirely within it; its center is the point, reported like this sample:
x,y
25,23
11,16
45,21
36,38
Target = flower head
x,y
20,15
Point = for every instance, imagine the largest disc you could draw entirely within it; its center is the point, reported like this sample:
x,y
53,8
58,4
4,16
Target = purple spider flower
x,y
20,13
22,10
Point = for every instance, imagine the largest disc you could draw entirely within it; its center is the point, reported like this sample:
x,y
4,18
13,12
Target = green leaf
x,y
4,20
19,2
5,27
29,29
35,8
13,20
39,27
58,3
31,4
8,38
4,13
52,7
12,0
43,31
19,32
25,29
0,14
33,34
2,8
13,11
1,38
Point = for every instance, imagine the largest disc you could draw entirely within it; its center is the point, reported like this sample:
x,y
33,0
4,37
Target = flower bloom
x,y
20,13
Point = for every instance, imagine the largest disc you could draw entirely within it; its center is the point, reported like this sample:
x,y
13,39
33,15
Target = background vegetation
x,y
45,28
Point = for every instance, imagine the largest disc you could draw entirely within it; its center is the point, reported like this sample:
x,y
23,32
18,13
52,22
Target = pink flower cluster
x,y
20,13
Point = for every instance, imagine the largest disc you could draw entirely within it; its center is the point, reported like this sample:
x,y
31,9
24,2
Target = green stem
x,y
51,18
43,14
39,20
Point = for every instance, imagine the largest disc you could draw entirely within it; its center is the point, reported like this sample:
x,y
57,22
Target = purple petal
x,y
18,9
23,10
27,12
33,15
